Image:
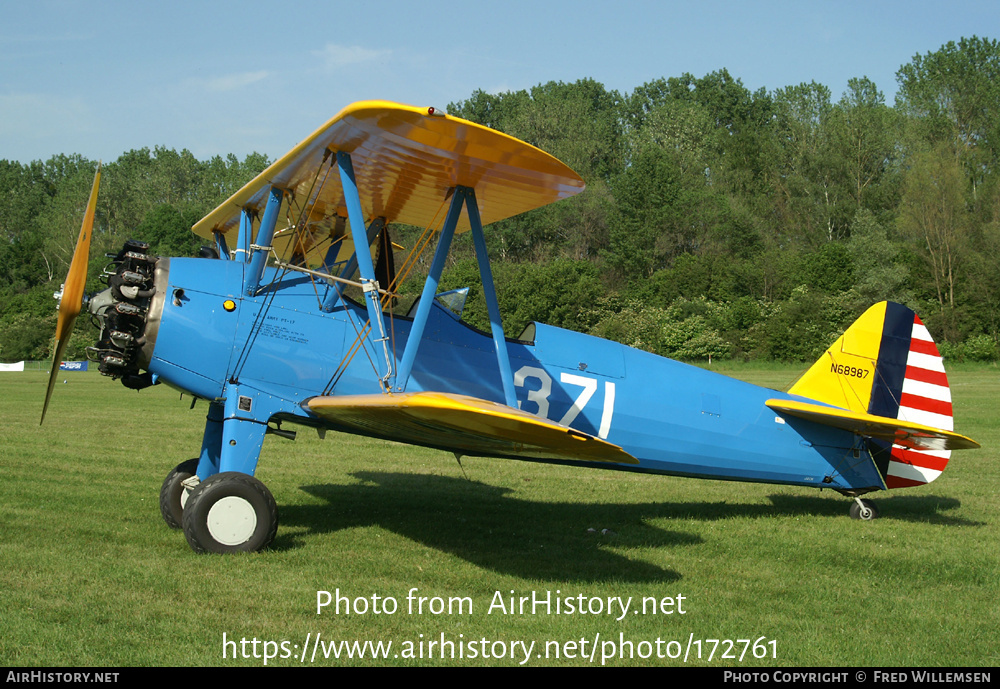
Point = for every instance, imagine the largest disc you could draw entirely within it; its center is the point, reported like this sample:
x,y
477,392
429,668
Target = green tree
x,y
168,231
864,137
879,274
220,178
660,213
543,116
809,197
24,194
57,223
953,95
139,180
561,293
932,214
981,287
683,127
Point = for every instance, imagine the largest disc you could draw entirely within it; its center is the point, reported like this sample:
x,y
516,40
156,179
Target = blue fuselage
x,y
675,418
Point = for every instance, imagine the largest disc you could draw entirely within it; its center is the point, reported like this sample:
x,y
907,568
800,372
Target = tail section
x,y
887,365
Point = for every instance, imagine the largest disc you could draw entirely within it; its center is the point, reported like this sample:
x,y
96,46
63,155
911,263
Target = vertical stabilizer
x,y
887,364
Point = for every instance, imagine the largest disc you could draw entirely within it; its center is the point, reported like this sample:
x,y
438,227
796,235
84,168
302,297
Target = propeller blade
x,y
71,300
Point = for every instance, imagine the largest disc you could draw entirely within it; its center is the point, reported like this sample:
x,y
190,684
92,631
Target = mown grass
x,y
91,575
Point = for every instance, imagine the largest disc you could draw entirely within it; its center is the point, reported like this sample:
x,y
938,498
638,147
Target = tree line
x,y
716,221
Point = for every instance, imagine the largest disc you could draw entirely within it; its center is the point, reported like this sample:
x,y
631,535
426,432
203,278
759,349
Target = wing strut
x,y
430,289
356,219
462,196
260,250
245,237
221,246
337,291
490,292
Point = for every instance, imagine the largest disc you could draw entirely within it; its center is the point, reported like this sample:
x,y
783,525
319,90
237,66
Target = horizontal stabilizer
x,y
464,425
910,435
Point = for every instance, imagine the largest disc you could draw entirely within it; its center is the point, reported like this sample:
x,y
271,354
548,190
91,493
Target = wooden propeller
x,y
71,299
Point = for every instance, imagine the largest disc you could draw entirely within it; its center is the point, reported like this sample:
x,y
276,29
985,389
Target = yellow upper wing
x,y
405,160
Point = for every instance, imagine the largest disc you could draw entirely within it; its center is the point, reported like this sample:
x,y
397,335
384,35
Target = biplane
x,y
290,317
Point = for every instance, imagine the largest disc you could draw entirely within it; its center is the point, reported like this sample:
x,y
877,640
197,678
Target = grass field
x,y
91,575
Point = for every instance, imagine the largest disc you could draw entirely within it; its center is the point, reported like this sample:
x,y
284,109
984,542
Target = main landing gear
x,y
228,512
174,494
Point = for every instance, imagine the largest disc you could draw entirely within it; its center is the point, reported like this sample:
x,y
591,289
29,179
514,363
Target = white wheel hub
x,y
232,520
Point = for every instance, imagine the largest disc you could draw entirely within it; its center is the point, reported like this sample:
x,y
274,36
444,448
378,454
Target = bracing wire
x,y
411,260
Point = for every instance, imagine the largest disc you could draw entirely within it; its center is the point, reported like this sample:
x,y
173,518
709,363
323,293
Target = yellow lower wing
x,y
912,435
464,425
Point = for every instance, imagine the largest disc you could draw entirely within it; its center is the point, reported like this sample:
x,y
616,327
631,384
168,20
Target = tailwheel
x,y
228,513
174,493
864,510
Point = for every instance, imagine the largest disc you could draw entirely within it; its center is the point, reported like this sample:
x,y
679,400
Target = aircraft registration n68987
x,y
263,331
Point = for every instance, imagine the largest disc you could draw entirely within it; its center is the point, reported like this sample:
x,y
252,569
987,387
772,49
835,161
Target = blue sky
x,y
99,78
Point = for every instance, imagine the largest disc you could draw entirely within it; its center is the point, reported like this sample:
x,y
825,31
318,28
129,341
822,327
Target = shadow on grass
x,y
485,526
912,508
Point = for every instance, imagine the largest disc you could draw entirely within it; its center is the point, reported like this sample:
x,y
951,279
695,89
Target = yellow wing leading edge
x,y
406,159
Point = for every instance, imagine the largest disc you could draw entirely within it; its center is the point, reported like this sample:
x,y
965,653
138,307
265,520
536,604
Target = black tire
x,y
172,491
869,513
230,512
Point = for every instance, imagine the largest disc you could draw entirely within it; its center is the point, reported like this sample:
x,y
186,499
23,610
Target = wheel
x,y
228,513
173,496
866,511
